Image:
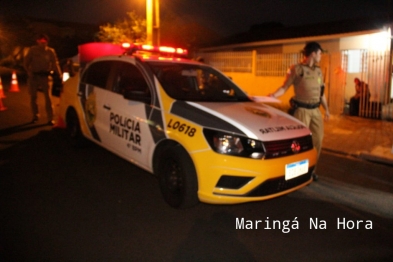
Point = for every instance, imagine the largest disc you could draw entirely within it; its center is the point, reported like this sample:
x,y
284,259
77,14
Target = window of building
x,y
355,60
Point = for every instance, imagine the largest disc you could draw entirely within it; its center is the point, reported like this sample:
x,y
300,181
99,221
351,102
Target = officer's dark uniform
x,y
39,62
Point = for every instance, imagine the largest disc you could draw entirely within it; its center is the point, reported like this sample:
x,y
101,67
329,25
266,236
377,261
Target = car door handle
x,y
107,107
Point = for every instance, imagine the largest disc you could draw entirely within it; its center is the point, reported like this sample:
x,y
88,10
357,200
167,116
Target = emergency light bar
x,y
90,51
155,49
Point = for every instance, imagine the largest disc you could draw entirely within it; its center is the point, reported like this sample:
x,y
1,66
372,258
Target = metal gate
x,y
373,69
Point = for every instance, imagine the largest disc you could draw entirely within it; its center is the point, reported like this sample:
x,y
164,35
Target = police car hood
x,y
254,120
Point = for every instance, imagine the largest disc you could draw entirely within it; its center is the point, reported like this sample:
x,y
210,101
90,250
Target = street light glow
x,y
149,22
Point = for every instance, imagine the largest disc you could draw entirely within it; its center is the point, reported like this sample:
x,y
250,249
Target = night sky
x,y
224,16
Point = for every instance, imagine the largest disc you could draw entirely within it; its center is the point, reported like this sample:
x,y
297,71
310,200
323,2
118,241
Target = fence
x,y
275,64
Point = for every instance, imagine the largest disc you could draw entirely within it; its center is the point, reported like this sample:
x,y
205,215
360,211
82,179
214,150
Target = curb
x,y
379,154
364,155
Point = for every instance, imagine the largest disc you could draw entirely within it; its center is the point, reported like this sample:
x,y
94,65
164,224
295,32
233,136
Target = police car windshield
x,y
193,82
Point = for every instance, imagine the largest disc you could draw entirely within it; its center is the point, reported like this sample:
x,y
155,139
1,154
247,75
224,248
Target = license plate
x,y
296,169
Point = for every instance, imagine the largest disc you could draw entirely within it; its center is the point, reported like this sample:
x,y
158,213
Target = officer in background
x,y
40,62
307,79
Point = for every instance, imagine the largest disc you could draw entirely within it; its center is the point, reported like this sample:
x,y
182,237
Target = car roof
x,y
148,58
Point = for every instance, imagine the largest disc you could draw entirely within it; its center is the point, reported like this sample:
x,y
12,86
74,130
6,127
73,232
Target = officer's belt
x,y
305,105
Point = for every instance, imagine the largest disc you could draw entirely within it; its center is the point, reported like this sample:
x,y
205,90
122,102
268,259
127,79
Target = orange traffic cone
x,y
2,107
2,95
60,123
14,83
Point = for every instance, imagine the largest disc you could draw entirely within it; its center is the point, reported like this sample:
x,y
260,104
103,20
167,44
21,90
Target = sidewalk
x,y
15,121
363,138
368,139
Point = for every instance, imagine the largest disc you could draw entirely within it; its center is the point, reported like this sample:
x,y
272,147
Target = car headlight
x,y
229,144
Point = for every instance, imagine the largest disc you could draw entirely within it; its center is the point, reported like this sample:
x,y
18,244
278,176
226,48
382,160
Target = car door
x,y
94,91
129,117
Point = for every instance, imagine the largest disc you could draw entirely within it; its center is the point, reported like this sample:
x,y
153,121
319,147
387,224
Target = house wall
x,y
372,42
257,85
273,49
293,48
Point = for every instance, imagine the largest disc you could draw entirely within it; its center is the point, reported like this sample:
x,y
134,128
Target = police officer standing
x,y
307,79
40,62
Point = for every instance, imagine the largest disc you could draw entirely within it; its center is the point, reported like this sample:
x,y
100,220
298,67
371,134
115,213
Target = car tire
x,y
73,129
177,178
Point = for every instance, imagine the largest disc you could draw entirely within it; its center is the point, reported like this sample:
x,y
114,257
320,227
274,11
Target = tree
x,y
131,29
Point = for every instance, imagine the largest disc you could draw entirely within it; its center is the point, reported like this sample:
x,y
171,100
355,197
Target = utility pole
x,y
152,22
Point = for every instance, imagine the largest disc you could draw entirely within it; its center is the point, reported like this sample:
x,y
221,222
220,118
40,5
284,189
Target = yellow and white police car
x,y
187,123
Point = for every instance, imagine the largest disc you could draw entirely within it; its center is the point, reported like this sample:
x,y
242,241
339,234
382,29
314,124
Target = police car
x,y
187,123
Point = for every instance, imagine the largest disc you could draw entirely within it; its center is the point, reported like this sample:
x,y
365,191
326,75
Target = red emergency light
x,y
162,50
90,51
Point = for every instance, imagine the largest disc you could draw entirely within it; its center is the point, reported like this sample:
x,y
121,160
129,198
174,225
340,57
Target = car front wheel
x,y
177,178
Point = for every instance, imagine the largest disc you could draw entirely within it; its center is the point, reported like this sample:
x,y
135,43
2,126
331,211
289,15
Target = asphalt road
x,y
58,203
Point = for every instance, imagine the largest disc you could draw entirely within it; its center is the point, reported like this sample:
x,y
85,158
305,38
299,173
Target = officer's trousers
x,y
37,82
313,119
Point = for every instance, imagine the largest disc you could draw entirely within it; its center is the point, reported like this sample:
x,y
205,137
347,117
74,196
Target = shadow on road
x,y
20,128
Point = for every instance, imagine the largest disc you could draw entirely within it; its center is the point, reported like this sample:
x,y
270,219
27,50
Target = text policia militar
x,y
314,223
126,128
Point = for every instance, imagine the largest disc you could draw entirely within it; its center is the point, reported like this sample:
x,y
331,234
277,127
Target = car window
x,y
196,83
130,82
97,74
